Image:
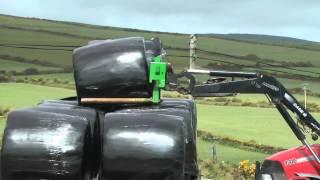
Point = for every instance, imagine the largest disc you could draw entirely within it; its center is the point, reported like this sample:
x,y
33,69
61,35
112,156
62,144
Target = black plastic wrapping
x,y
153,49
89,114
46,143
142,146
127,144
112,68
186,110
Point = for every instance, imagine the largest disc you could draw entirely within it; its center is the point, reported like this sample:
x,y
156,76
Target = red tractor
x,y
119,128
296,163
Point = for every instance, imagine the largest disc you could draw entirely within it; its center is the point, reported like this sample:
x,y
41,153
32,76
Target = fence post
x,y
193,45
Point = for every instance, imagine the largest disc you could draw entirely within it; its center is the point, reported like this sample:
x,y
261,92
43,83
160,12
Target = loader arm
x,y
256,83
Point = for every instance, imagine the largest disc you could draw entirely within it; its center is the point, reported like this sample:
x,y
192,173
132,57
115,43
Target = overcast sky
x,y
293,18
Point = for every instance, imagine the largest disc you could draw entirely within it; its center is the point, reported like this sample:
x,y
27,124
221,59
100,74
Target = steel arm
x,y
258,84
262,84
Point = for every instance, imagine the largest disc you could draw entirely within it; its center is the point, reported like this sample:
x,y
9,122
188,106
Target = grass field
x,y
262,97
61,76
289,84
262,51
18,95
8,65
28,31
226,153
2,125
263,125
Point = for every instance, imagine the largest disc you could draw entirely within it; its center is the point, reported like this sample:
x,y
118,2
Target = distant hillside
x,y
47,46
269,39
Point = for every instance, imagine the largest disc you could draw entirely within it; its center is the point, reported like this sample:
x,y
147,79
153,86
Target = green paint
x,y
158,74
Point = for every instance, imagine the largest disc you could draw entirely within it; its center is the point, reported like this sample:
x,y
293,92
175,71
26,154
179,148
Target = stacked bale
x,y
48,143
65,139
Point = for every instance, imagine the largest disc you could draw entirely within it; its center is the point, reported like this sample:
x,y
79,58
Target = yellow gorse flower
x,y
247,170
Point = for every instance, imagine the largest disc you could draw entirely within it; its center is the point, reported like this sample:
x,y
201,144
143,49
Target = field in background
x,y
261,125
16,30
7,65
227,153
289,83
18,95
60,76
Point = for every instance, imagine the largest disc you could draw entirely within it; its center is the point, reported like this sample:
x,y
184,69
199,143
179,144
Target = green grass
x,y
262,51
2,126
18,95
261,97
60,76
226,153
263,125
8,65
295,83
57,57
288,83
31,35
63,58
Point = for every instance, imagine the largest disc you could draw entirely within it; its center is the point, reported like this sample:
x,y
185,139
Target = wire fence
x,y
201,56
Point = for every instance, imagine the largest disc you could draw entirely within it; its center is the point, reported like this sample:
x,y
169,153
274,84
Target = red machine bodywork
x,y
298,162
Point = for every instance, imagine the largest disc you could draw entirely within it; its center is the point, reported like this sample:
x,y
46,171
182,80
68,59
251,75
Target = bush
x,y
236,100
20,81
4,110
34,80
55,80
68,69
247,145
247,170
252,57
247,103
221,170
31,71
12,72
264,104
4,78
220,99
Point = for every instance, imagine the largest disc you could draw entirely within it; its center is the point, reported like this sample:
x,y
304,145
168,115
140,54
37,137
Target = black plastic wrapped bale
x,y
188,111
44,145
60,102
153,49
180,103
143,146
185,109
112,69
86,113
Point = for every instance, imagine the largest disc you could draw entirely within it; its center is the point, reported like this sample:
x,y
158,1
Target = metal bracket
x,y
158,77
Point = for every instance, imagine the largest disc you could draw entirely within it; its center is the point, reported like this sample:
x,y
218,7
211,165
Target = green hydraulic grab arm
x,y
158,77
